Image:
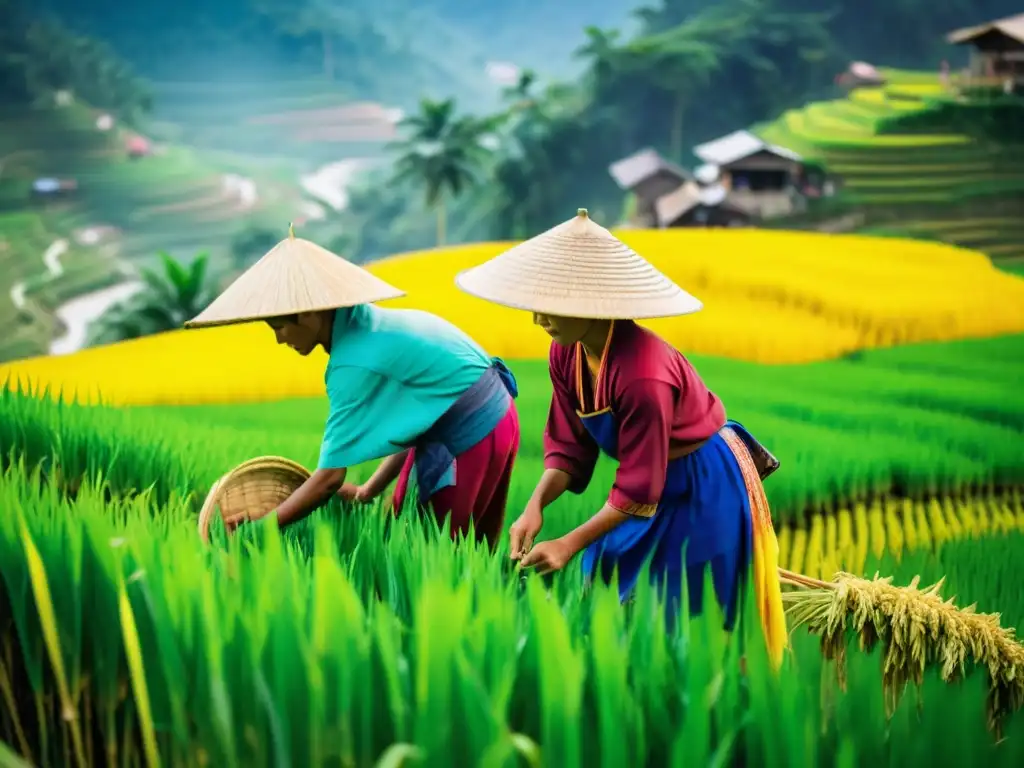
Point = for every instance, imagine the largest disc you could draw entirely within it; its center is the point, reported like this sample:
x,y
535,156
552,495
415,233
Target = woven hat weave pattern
x,y
295,276
578,269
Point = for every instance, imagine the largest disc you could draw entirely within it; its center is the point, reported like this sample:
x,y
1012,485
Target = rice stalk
x,y
51,637
136,668
7,691
917,628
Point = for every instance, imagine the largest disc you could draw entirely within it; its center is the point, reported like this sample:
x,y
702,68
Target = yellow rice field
x,y
828,543
769,296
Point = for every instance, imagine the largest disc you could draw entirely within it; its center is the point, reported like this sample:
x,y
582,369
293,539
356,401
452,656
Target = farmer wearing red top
x,y
687,494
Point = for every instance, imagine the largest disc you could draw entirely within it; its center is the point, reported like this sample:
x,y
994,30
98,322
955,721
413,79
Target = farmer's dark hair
x,y
283,319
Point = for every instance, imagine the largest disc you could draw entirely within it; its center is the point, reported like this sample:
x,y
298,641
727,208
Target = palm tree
x,y
666,14
168,298
442,152
679,62
600,52
521,94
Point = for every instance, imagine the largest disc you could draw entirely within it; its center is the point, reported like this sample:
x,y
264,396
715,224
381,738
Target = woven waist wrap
x,y
470,419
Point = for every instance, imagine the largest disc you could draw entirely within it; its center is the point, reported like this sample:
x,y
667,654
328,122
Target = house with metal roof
x,y
742,179
761,177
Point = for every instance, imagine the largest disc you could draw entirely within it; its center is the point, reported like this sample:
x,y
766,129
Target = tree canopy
x,y
40,55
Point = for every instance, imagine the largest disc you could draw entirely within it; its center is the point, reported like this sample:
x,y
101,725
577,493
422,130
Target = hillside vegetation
x,y
388,50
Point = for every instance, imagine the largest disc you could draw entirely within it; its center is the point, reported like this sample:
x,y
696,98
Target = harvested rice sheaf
x,y
918,629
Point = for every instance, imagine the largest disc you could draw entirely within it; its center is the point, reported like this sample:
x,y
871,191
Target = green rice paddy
x,y
354,639
951,414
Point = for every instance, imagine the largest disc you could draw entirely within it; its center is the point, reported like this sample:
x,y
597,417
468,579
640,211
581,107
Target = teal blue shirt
x,y
392,373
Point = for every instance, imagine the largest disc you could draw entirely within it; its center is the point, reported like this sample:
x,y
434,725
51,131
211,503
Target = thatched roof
x,y
1010,26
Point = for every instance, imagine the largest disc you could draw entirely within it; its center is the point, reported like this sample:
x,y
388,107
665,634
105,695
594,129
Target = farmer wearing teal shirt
x,y
404,386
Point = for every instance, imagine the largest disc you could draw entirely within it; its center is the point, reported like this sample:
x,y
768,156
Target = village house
x,y
695,206
997,54
743,179
761,178
648,176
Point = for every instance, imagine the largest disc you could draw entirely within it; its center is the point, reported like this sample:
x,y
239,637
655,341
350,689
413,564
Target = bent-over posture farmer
x,y
403,385
688,491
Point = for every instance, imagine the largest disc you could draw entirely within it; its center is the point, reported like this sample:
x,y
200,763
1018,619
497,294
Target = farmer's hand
x,y
351,492
525,530
231,523
234,522
549,556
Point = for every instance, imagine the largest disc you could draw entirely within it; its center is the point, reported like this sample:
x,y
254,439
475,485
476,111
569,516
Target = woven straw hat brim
x,y
578,269
295,276
254,487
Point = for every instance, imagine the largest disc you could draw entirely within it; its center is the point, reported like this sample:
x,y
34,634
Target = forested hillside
x,y
688,72
699,70
611,77
386,49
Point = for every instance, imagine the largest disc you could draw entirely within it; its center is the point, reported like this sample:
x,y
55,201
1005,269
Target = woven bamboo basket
x,y
253,488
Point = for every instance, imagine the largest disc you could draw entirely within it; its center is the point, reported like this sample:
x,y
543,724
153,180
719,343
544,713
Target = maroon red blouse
x,y
659,403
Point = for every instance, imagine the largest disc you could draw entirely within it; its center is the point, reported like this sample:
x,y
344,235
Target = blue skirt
x,y
703,520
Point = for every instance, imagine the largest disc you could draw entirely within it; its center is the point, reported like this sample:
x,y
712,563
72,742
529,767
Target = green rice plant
x,y
940,418
353,639
356,638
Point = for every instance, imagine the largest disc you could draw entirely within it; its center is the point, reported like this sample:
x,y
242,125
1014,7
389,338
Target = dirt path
x,y
54,269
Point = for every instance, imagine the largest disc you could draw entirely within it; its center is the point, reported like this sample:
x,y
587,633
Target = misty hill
x,y
392,50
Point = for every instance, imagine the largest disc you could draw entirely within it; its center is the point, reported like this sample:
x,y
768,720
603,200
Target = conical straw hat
x,y
577,269
294,276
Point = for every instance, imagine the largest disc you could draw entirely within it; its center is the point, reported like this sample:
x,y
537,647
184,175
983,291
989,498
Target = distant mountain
x,y
541,35
393,50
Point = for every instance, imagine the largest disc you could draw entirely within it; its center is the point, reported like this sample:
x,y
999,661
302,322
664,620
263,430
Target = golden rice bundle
x,y
917,629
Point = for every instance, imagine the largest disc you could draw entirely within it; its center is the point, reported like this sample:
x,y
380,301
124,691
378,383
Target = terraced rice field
x,y
771,296
1002,237
350,637
173,200
310,122
31,290
358,639
908,180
